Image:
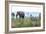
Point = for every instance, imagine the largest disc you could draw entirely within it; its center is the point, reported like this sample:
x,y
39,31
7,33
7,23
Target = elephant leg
x,y
23,17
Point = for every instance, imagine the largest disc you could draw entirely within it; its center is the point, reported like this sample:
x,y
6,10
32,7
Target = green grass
x,y
26,22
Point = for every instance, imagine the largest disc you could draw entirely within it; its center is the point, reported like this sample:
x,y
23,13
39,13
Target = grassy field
x,y
26,22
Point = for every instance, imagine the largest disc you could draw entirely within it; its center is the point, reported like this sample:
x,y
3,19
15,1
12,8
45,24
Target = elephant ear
x,y
17,12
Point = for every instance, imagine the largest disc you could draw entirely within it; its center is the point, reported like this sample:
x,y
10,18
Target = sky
x,y
34,14
27,9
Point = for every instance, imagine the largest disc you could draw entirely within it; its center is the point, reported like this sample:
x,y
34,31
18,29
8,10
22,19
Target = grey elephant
x,y
21,14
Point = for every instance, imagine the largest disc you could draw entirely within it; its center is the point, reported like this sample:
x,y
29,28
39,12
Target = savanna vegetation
x,y
26,22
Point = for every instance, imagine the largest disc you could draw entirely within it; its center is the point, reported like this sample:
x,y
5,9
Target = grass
x,y
26,22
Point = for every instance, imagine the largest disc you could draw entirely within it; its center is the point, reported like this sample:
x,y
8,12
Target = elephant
x,y
21,14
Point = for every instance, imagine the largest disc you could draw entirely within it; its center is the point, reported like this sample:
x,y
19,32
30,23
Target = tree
x,y
12,14
31,16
